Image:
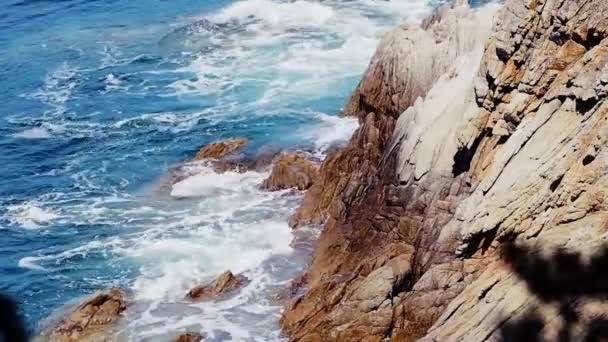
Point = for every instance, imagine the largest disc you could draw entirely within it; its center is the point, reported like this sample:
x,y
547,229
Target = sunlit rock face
x,y
92,320
538,172
454,161
411,58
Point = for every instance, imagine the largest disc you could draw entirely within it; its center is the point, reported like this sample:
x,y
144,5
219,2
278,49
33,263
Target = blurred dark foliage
x,y
12,328
562,278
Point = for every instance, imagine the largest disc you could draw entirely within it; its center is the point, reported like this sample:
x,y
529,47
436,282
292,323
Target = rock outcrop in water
x,y
220,149
223,285
90,320
291,170
506,144
220,156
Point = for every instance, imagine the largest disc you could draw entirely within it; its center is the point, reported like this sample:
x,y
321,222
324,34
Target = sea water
x,y
101,99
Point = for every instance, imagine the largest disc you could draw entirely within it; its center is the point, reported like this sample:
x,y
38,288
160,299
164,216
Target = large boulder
x,y
90,320
291,170
221,286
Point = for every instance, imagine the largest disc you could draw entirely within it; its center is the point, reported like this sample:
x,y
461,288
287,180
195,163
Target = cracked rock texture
x,y
472,135
291,170
223,285
220,149
91,320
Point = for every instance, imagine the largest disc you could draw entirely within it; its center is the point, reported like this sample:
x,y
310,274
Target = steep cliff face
x,y
506,143
539,171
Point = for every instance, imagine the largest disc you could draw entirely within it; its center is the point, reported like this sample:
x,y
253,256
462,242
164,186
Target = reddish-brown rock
x,y
345,173
223,285
90,320
291,170
220,149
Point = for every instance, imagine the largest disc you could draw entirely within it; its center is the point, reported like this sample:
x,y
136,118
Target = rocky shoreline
x,y
478,137
100,316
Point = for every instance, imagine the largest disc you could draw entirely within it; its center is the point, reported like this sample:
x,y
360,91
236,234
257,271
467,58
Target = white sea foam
x,y
279,15
34,133
208,183
30,215
168,121
331,131
233,225
293,49
30,263
53,260
113,83
57,89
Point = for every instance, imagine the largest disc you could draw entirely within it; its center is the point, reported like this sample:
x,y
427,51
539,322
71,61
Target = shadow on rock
x,y
565,279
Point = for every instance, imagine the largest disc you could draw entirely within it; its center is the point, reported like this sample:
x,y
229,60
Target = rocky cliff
x,y
477,177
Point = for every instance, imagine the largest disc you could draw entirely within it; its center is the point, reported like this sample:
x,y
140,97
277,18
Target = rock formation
x,y
90,320
220,149
223,285
503,140
291,170
411,58
219,156
189,337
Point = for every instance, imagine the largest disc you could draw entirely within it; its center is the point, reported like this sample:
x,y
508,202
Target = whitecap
x,y
209,183
30,263
34,133
113,83
276,15
331,131
58,87
285,51
30,215
34,262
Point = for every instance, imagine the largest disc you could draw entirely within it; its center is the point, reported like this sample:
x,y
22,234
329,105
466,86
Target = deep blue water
x,y
101,98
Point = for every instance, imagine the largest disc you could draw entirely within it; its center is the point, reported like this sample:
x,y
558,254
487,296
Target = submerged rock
x,y
90,320
189,337
223,285
220,149
291,170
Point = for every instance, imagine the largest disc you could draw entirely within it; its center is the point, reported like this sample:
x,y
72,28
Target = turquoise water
x,y
102,98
